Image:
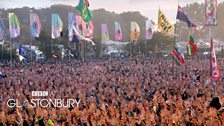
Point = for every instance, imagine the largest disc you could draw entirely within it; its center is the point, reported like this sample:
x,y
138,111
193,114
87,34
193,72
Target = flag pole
x,y
146,48
51,49
2,50
10,49
174,42
31,50
69,51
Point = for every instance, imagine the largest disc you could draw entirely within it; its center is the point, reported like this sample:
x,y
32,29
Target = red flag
x,y
214,69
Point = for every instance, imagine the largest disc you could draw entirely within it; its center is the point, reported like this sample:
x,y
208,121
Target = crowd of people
x,y
138,91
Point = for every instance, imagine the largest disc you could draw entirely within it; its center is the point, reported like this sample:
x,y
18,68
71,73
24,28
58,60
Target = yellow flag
x,y
135,31
163,24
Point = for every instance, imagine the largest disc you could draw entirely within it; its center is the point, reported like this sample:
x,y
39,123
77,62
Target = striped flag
x,y
56,26
105,34
2,30
35,25
178,56
14,25
214,69
118,33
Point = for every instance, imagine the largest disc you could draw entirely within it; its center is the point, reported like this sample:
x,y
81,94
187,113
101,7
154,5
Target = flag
x,y
84,10
35,25
181,15
105,34
118,33
163,24
14,25
214,69
192,48
149,31
21,53
80,25
87,2
2,30
82,37
178,56
71,26
135,31
56,26
88,33
211,12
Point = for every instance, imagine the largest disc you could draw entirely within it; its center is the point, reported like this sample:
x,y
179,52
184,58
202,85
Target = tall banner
x,y
56,26
104,32
14,25
210,12
135,31
35,25
163,24
2,30
118,33
72,35
214,69
149,31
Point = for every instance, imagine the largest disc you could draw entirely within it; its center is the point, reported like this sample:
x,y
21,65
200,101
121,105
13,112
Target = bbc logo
x,y
40,93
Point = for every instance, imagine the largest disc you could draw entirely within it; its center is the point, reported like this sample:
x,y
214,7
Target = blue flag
x,y
181,15
22,54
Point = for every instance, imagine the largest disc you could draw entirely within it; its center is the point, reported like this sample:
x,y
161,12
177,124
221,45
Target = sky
x,y
148,8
